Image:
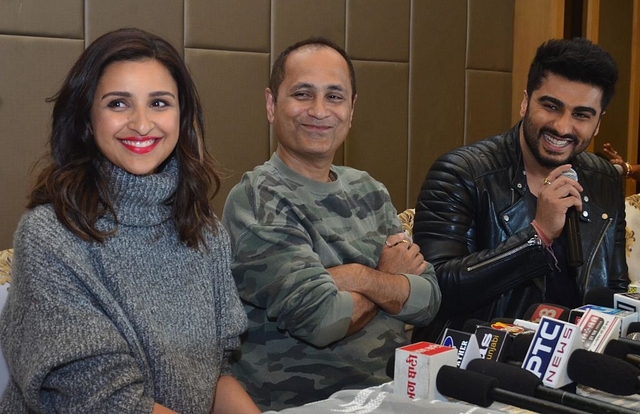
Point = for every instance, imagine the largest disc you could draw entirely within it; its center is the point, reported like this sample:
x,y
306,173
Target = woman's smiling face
x,y
135,115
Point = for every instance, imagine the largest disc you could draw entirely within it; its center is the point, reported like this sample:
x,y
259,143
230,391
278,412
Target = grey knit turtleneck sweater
x,y
113,327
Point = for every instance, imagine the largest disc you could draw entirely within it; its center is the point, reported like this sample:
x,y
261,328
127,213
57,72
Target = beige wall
x,y
432,75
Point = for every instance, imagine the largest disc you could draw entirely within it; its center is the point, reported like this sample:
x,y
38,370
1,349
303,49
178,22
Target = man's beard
x,y
533,136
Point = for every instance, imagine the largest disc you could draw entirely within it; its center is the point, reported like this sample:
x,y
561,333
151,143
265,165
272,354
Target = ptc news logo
x,y
550,349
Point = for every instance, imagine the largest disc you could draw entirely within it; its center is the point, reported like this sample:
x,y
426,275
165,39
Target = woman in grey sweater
x,y
122,300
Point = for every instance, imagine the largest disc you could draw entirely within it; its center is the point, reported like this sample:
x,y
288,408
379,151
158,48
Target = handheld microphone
x,y
571,229
521,381
603,372
482,390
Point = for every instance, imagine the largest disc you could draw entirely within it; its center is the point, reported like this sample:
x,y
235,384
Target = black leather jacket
x,y
473,225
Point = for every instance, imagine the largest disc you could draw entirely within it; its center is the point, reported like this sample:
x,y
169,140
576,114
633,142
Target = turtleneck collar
x,y
141,200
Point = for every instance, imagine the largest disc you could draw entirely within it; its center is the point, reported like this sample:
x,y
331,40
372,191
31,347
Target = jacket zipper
x,y
602,234
534,241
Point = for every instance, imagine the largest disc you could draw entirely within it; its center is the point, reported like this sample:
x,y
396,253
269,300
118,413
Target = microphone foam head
x,y
471,325
617,349
601,296
571,173
633,327
603,372
510,377
477,389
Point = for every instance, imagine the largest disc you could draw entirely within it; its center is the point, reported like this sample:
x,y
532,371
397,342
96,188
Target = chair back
x,y
632,211
6,257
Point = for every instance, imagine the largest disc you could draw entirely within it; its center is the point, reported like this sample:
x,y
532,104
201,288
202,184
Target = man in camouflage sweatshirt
x,y
326,275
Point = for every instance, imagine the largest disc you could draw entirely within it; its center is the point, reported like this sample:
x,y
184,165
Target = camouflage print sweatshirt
x,y
286,230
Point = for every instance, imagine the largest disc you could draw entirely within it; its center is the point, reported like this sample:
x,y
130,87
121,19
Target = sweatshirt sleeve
x,y
424,298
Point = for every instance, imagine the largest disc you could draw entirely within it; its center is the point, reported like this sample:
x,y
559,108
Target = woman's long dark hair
x,y
71,179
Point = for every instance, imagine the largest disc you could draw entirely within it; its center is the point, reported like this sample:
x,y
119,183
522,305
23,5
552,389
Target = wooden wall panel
x,y
60,18
383,35
486,112
32,69
228,24
490,45
534,22
377,142
436,85
162,17
615,37
231,87
488,69
294,20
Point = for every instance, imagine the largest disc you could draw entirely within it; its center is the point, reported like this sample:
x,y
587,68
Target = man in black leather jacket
x,y
490,215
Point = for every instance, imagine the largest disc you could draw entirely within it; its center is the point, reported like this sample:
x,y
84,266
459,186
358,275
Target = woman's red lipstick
x,y
140,145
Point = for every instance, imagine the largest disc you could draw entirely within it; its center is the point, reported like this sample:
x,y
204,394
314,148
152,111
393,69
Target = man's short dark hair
x,y
278,74
578,60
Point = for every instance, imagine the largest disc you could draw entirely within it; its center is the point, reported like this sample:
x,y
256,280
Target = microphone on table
x,y
571,229
607,315
482,390
632,341
416,366
391,366
470,325
533,326
603,372
498,340
536,311
621,350
634,327
600,296
521,381
629,301
550,349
